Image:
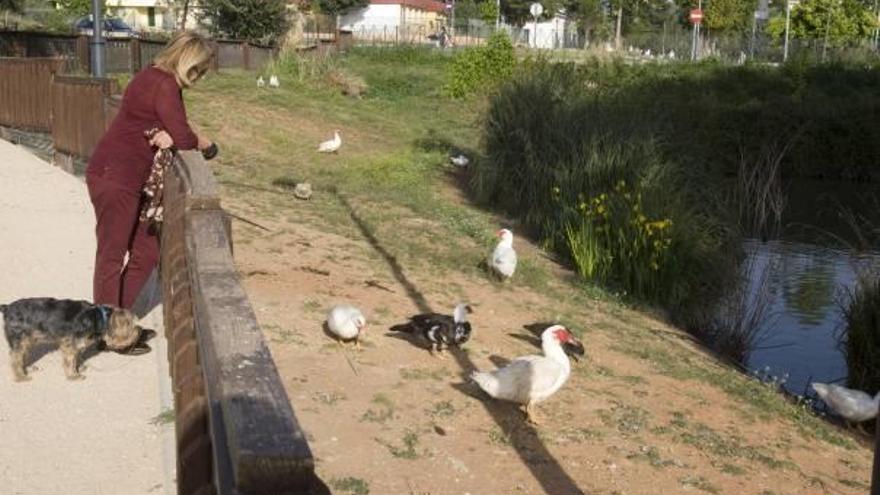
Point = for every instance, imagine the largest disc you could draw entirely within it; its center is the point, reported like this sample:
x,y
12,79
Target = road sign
x,y
536,9
696,16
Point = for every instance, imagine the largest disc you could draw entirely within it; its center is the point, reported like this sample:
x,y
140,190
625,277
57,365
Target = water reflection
x,y
798,288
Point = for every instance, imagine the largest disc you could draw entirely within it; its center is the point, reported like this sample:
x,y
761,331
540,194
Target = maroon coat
x,y
124,156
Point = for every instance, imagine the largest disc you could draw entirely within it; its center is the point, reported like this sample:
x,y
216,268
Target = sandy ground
x,y
97,436
390,419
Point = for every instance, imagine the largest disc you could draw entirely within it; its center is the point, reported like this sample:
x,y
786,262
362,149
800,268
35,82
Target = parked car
x,y
114,27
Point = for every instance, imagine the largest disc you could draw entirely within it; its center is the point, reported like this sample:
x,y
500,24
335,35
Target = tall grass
x,y
598,193
559,138
862,342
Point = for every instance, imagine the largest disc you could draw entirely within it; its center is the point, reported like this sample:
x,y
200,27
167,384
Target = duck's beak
x,y
574,347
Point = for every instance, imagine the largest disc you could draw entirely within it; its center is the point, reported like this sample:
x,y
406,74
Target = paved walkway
x,y
102,435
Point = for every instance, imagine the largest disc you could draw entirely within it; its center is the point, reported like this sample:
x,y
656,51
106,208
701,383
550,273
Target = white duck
x,y
531,379
460,160
261,83
331,146
347,323
503,259
273,81
852,405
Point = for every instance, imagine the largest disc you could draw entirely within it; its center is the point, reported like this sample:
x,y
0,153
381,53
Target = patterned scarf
x,y
152,210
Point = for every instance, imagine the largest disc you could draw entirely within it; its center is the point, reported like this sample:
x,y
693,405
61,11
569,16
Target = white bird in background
x,y
347,323
260,82
503,259
852,405
531,379
331,146
460,160
672,54
273,81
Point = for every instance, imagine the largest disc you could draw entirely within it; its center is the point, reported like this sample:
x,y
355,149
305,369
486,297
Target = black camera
x,y
210,152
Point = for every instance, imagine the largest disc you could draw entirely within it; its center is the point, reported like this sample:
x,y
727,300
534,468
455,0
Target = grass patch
x,y
651,455
383,412
442,409
328,398
408,448
350,485
699,483
165,417
627,419
721,446
438,374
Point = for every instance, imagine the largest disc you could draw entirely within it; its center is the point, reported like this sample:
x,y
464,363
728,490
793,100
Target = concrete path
x,y
101,435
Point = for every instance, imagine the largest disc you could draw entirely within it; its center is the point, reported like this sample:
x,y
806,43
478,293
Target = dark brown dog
x,y
73,325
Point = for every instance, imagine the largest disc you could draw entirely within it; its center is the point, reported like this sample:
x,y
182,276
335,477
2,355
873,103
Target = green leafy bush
x,y
476,69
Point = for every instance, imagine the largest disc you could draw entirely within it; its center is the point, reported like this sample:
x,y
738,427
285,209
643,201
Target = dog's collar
x,y
105,311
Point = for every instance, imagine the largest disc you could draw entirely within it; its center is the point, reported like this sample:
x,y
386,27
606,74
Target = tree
x,y
339,7
837,21
11,5
253,20
517,11
722,15
76,7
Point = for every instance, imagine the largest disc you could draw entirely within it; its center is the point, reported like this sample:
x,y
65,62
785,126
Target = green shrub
x,y
600,192
475,69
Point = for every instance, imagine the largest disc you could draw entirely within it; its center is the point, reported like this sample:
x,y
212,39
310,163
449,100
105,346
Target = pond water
x,y
804,287
797,285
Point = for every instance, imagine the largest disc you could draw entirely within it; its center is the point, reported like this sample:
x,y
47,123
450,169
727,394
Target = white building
x,y
557,32
390,19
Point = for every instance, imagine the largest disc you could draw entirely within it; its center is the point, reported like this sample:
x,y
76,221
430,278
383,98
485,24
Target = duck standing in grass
x,y
440,331
331,146
532,379
503,259
347,323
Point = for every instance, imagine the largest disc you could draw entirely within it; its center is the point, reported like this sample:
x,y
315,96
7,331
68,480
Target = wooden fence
x,y
24,87
236,431
122,55
81,112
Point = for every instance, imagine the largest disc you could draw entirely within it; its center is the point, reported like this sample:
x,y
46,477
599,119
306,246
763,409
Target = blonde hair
x,y
187,56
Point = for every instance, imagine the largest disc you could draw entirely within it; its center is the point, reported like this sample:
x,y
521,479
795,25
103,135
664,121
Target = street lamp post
x,y
787,27
97,40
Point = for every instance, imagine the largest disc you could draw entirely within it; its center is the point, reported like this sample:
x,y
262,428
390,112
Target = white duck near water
x,y
531,379
459,160
503,259
347,323
852,405
331,146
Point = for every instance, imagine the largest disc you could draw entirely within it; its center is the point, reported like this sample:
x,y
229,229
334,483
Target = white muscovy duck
x,y
331,146
531,379
261,83
273,81
852,405
346,323
503,259
459,160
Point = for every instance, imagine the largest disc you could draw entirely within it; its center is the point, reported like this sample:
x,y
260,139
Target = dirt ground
x,y
392,419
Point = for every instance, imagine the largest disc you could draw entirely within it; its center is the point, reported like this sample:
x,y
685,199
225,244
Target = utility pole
x,y
787,27
97,40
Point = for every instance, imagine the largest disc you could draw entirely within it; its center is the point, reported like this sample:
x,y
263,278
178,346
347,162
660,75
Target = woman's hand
x,y
162,140
204,143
